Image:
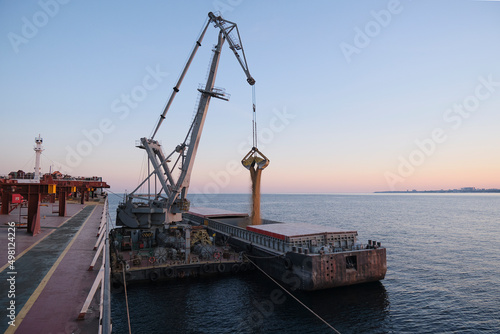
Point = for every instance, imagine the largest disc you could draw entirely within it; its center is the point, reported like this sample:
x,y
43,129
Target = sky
x,y
351,96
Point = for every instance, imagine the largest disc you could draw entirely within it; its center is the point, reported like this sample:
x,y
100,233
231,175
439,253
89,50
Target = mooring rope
x,y
291,295
109,191
126,298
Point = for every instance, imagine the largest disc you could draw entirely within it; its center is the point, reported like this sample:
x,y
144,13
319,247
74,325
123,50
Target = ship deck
x,y
51,273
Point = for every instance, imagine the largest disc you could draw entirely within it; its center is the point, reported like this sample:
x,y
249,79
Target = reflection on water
x,y
246,303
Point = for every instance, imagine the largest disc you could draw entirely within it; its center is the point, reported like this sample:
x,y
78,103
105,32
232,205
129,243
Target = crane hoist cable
x,y
254,158
254,120
255,161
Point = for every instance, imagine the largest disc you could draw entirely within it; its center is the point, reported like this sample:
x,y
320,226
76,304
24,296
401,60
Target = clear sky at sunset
x,y
352,96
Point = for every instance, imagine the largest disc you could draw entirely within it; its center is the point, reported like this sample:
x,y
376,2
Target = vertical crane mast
x,y
175,202
206,94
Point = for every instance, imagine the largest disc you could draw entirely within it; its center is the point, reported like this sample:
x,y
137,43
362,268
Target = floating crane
x,y
155,241
168,204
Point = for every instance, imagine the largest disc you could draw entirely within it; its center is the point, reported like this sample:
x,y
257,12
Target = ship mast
x,y
38,151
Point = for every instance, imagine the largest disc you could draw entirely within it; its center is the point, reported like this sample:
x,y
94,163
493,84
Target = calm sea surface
x,y
443,276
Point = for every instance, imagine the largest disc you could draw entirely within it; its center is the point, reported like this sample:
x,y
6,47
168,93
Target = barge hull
x,y
163,273
298,267
315,271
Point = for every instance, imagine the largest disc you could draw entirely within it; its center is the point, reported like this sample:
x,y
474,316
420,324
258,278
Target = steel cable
x,y
291,295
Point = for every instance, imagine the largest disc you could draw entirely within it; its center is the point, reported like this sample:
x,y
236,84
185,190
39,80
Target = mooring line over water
x,y
291,295
126,298
117,195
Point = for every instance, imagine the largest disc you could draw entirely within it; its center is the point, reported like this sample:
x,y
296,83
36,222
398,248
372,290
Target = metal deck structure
x,y
51,271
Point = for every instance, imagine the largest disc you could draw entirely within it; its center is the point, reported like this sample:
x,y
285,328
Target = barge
x,y
213,242
304,256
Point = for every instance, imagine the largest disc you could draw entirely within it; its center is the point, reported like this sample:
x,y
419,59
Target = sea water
x,y
443,272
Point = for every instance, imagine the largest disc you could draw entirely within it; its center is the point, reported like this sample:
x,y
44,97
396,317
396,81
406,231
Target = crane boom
x,y
171,206
226,27
181,77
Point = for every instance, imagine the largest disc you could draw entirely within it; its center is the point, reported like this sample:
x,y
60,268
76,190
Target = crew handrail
x,y
103,277
105,320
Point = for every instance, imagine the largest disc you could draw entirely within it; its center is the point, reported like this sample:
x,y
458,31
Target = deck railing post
x,y
106,314
102,279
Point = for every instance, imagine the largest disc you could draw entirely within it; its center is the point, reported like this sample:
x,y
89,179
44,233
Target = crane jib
x,y
173,171
226,27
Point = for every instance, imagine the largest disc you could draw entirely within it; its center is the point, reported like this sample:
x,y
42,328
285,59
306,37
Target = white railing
x,y
275,244
103,277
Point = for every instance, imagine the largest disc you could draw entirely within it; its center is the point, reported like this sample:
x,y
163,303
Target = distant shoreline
x,y
442,191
